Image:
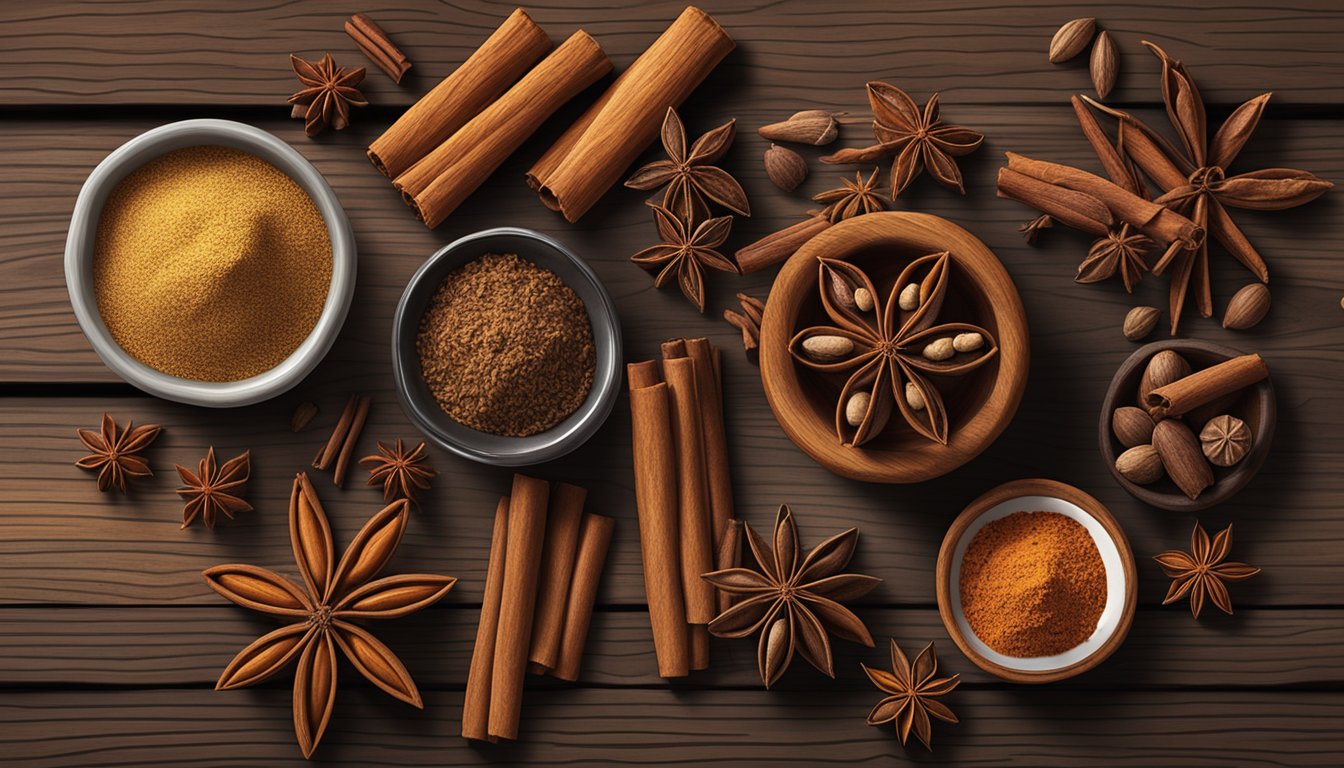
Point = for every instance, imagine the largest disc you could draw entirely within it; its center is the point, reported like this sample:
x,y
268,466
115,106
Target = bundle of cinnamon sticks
x,y
450,141
683,492
546,558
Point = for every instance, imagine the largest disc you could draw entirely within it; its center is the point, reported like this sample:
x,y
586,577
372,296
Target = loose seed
x,y
940,350
857,407
968,342
913,398
909,298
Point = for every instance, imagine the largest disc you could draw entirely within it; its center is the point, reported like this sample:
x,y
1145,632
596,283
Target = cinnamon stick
x,y
710,388
328,452
729,556
1201,387
527,529
1153,219
1074,209
351,437
593,154
377,46
656,503
693,503
476,707
439,182
698,637
594,541
778,246
563,522
503,58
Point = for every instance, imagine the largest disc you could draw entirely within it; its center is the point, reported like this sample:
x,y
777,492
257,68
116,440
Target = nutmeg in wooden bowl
x,y
1253,406
979,403
1036,582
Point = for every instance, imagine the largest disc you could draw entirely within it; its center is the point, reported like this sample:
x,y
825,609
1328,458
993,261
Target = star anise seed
x,y
1201,572
400,472
213,490
116,454
913,690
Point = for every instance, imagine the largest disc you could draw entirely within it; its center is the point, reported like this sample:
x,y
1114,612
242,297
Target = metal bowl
x,y
79,252
419,403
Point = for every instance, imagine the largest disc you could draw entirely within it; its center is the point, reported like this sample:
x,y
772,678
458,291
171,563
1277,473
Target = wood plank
x,y
177,52
56,729
61,646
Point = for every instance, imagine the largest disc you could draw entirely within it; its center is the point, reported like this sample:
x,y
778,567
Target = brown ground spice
x,y
506,347
1033,584
210,264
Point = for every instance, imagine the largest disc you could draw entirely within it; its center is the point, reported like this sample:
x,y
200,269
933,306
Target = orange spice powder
x,y
1033,584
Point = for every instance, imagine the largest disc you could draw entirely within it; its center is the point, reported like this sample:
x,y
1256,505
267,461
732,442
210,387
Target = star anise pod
x,y
853,198
1200,573
1197,184
1120,251
913,689
320,614
401,472
213,490
685,253
917,140
116,454
690,175
328,93
891,351
793,601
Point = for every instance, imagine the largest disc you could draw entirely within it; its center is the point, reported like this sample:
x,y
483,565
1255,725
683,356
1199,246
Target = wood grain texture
x,y
110,641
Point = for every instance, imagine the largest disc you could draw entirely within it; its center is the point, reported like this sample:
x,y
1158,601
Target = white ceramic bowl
x,y
79,247
1040,496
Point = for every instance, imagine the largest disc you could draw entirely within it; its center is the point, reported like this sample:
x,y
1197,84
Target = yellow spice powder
x,y
210,264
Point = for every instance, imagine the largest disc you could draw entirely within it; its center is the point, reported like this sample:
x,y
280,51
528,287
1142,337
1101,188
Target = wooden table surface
x,y
110,642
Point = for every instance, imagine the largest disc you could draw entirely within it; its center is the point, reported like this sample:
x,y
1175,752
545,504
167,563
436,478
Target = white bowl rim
x,y
83,229
1112,614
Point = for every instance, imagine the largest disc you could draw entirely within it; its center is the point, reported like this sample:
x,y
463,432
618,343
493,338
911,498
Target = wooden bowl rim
x,y
797,280
1018,489
1236,478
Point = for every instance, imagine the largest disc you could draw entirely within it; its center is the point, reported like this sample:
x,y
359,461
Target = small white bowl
x,y
79,251
1037,495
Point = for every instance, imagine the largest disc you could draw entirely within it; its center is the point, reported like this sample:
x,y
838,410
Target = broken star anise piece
x,y
320,615
213,490
917,140
690,175
793,601
853,198
685,253
913,689
116,453
400,472
328,93
1032,229
1200,573
891,351
1196,182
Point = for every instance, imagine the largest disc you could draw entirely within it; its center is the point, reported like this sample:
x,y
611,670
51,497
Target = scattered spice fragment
x,y
341,445
1226,440
1071,39
115,454
1201,572
785,168
916,140
1032,229
689,175
792,600
852,198
748,320
811,126
376,45
914,689
1247,307
684,253
400,472
1139,322
213,490
328,93
304,414
324,611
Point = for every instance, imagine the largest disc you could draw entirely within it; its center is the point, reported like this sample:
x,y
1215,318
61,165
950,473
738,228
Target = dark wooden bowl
x,y
1035,495
979,405
1256,407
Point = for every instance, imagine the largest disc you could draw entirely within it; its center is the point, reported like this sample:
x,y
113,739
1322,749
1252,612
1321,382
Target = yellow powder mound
x,y
211,264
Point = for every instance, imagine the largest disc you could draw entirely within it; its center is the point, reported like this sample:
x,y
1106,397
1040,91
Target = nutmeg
x,y
1132,426
1140,465
786,168
1247,307
1182,458
1226,440
1140,322
1071,39
1164,368
811,126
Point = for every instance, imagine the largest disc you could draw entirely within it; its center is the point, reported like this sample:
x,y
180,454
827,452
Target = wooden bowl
x,y
1037,495
1256,407
979,404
